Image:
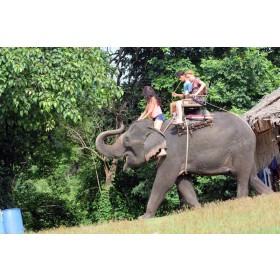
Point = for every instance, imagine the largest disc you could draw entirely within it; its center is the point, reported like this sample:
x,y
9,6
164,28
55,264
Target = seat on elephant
x,y
195,109
192,125
192,103
195,115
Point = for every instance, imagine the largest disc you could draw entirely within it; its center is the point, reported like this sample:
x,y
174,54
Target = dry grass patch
x,y
260,214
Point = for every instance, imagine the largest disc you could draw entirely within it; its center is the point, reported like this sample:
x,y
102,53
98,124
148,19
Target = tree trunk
x,y
110,173
7,182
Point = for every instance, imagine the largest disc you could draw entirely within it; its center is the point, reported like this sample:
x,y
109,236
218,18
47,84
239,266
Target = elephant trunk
x,y
115,150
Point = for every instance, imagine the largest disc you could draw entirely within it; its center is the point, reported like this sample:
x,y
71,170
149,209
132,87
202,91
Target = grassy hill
x,y
260,214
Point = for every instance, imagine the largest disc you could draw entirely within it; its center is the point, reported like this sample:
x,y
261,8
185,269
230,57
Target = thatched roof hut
x,y
264,119
267,110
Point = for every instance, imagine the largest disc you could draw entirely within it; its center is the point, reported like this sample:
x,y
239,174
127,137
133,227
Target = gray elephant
x,y
227,147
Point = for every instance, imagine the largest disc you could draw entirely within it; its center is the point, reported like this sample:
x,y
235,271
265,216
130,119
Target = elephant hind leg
x,y
243,183
243,175
186,191
242,186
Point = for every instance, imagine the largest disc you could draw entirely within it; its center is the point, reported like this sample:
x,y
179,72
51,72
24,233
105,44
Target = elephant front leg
x,y
162,184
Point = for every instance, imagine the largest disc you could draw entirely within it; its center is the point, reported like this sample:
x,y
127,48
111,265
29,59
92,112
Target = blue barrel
x,y
2,229
13,220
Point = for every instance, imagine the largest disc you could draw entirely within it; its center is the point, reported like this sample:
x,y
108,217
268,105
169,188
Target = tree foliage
x,y
240,79
41,88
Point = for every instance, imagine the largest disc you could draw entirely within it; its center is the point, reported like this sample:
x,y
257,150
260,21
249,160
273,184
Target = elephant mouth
x,y
126,165
131,161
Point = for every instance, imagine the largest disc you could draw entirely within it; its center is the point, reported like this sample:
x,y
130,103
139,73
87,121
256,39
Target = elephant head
x,y
138,144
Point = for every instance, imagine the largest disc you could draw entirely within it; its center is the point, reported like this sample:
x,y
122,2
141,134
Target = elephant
x,y
225,148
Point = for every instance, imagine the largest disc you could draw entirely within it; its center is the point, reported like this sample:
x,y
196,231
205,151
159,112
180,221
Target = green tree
x,y
41,88
239,80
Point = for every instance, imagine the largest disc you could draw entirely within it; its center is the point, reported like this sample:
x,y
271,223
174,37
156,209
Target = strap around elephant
x,y
170,122
187,151
157,131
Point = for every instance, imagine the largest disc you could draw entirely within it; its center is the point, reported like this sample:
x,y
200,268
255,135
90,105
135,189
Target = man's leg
x,y
179,112
172,108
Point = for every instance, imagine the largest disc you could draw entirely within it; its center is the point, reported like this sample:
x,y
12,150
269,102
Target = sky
x,y
148,23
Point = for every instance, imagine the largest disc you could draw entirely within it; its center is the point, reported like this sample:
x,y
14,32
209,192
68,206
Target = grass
x,y
259,215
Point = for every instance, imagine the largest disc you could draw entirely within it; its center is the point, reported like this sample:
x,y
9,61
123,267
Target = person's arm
x,y
188,90
181,95
141,116
149,109
202,86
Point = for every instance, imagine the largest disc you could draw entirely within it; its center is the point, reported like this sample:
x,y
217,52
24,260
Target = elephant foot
x,y
146,216
267,191
196,206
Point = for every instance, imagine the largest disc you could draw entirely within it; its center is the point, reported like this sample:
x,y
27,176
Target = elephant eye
x,y
126,141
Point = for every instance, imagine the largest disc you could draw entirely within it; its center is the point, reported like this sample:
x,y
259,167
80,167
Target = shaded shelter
x,y
264,118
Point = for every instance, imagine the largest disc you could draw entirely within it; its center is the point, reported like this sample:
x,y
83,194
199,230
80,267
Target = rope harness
x,y
187,151
177,88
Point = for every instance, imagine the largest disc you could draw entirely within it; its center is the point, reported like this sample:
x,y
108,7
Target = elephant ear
x,y
153,143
